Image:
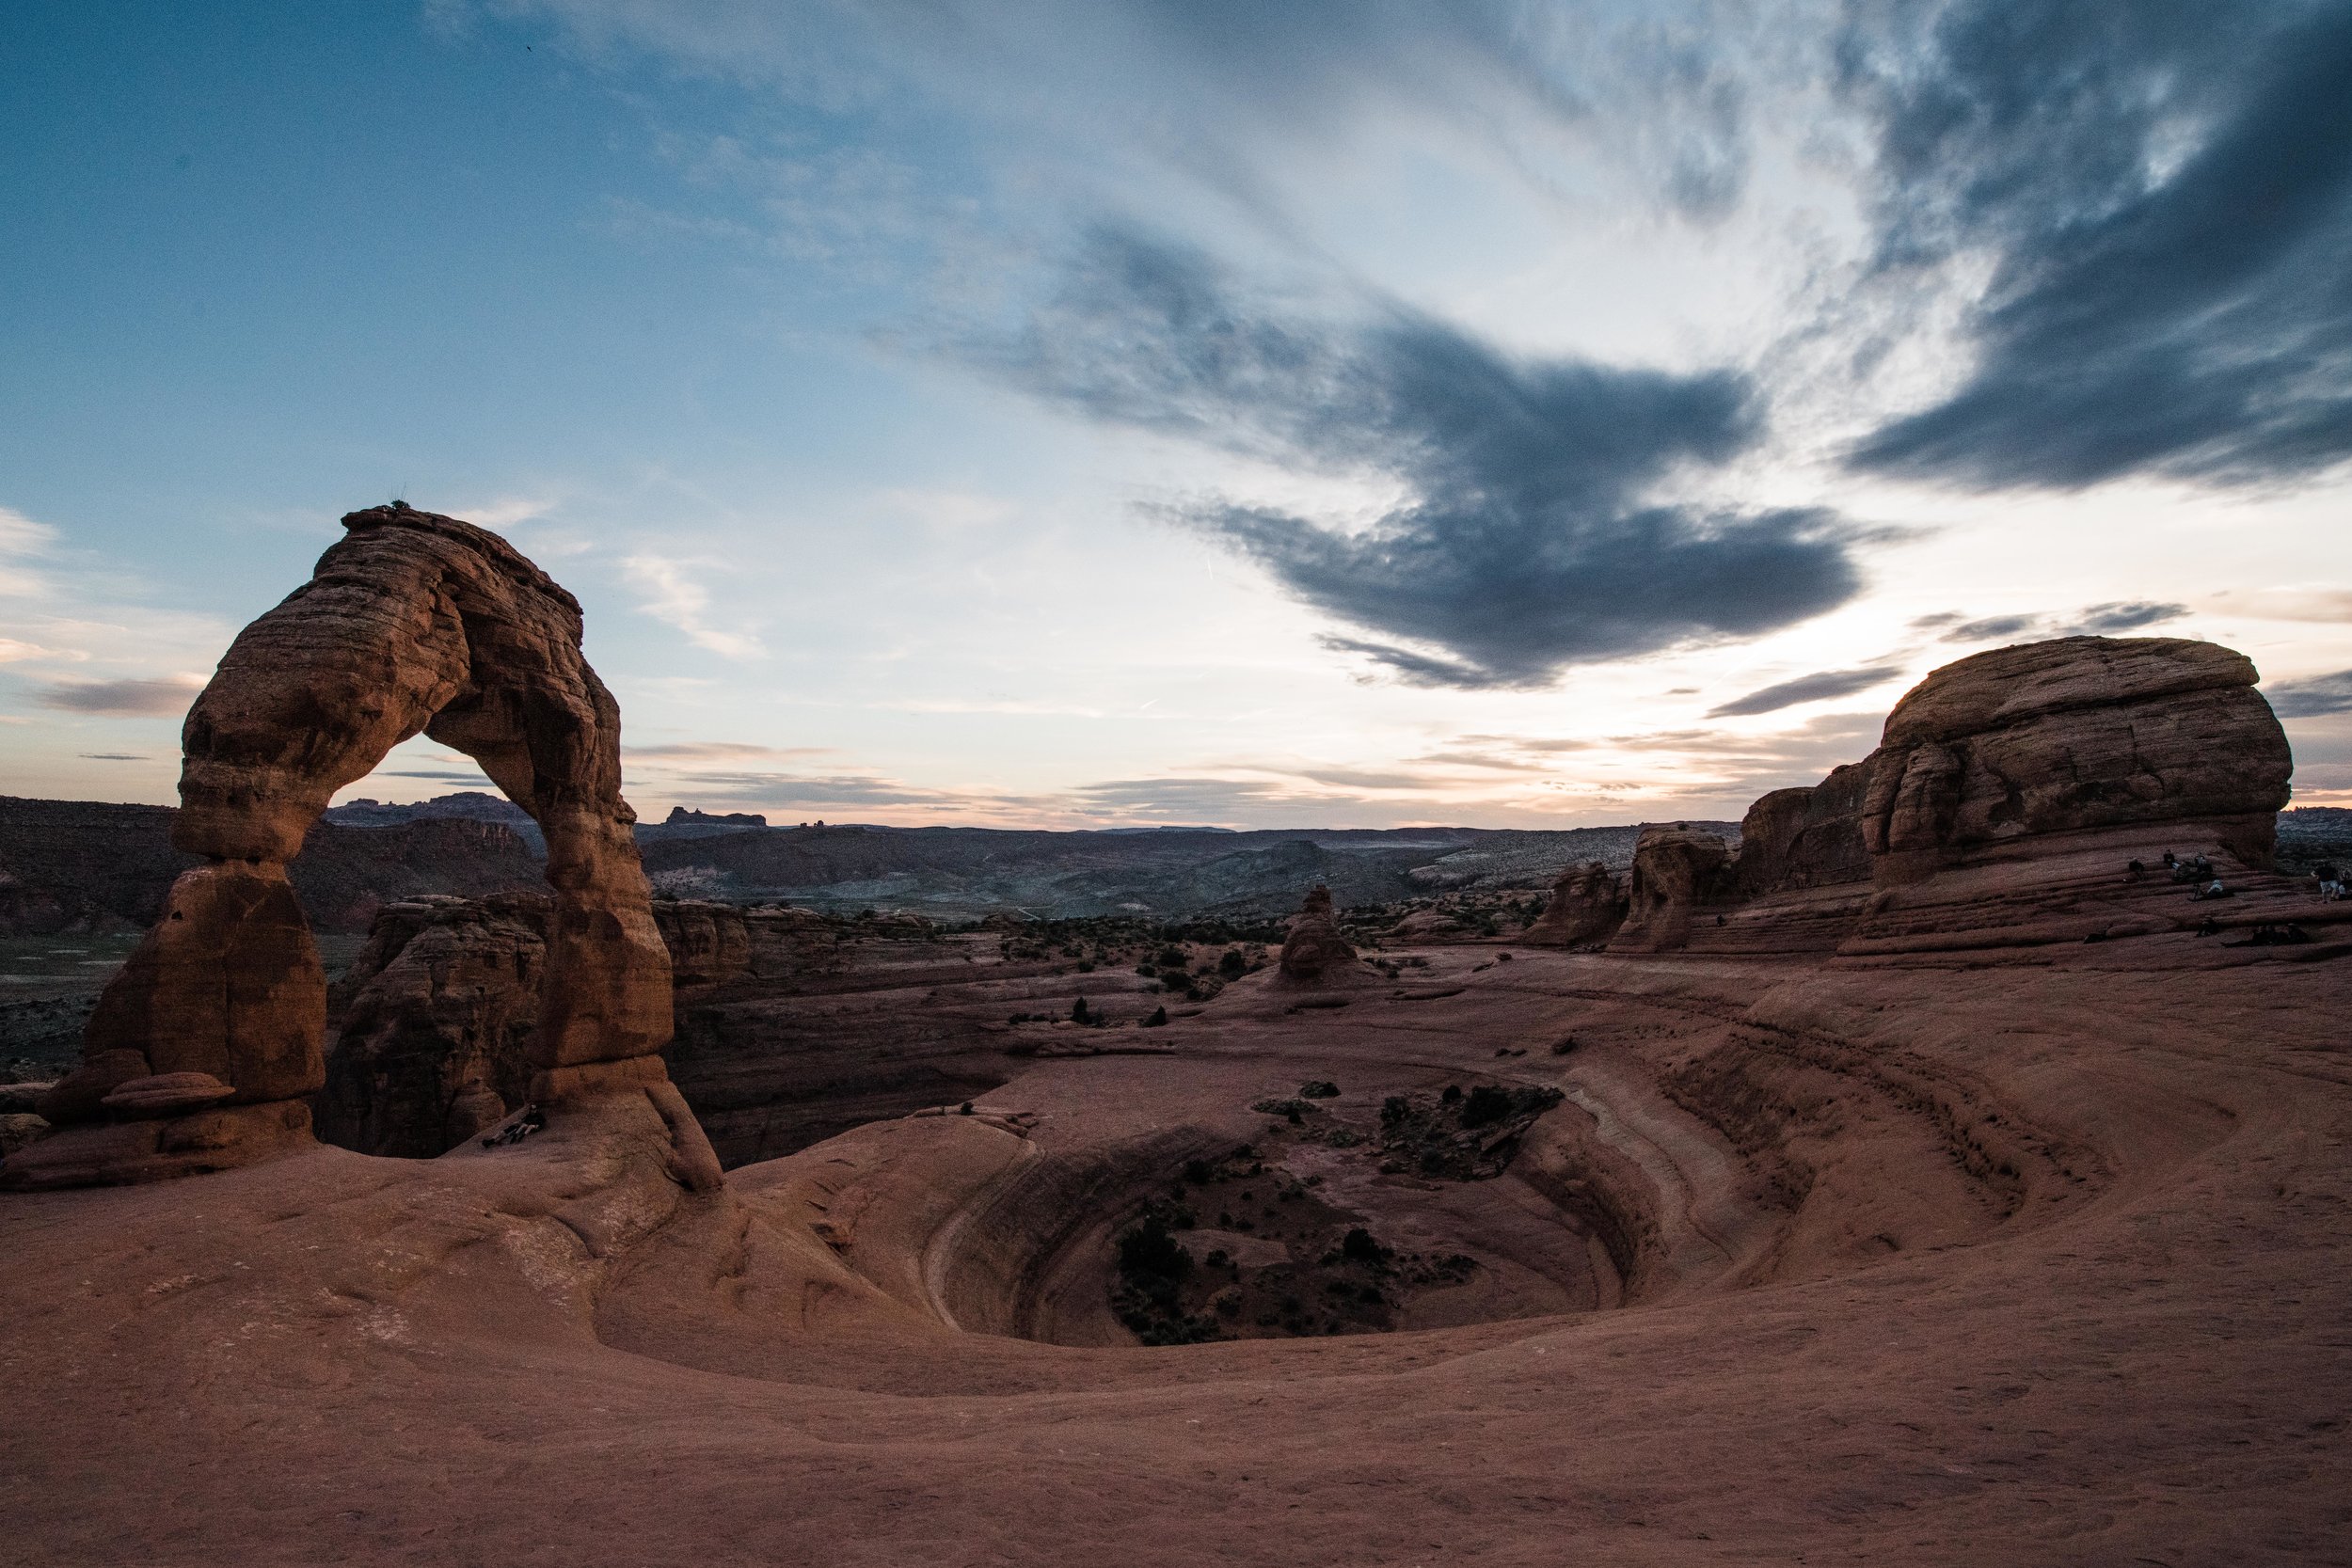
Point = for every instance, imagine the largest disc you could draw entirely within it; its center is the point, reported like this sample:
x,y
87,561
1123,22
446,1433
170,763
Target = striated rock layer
x,y
412,623
2081,733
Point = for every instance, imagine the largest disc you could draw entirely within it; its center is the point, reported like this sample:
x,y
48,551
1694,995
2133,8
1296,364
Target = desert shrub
x,y
1318,1088
1452,1092
1485,1105
1158,1017
1233,964
1149,1252
1395,1109
1358,1247
1170,958
1078,1013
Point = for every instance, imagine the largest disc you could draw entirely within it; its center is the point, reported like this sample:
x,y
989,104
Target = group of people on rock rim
x,y
2197,872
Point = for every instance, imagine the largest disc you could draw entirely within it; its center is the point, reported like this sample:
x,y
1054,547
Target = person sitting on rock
x,y
2135,872
530,1121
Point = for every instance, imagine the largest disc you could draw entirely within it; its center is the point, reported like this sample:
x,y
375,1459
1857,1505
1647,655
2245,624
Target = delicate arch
x,y
413,622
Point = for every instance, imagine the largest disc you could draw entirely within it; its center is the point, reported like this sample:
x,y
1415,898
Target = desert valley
x,y
1942,1165
1153,784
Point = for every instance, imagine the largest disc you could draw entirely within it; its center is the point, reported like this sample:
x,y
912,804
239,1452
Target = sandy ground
x,y
2040,1262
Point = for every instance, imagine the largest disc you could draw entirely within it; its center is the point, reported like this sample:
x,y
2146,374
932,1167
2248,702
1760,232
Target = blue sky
x,y
1261,414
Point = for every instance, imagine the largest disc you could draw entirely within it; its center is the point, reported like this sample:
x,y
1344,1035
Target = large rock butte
x,y
413,622
2081,733
2010,793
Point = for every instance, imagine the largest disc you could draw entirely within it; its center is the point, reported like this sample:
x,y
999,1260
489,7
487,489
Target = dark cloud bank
x,y
1524,544
2164,190
2160,189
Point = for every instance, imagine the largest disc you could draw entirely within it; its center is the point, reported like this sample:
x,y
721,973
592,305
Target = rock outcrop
x,y
439,1015
412,623
2075,734
1587,905
710,942
1807,837
1675,869
2008,794
1314,953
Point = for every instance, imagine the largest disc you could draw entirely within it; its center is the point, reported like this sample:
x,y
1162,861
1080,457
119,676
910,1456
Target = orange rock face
x,y
1587,905
414,623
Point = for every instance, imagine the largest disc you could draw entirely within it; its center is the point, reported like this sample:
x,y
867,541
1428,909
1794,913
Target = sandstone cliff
x,y
2081,733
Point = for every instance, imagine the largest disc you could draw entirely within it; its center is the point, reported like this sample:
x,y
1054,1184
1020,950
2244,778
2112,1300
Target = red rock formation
x,y
1675,868
2075,733
438,1018
709,943
1807,837
1314,953
2010,792
1587,905
412,623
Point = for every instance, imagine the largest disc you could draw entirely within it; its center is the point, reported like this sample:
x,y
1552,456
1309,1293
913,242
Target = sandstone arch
x,y
413,622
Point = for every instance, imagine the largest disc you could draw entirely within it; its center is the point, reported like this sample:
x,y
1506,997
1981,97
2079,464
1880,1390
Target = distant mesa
x,y
684,816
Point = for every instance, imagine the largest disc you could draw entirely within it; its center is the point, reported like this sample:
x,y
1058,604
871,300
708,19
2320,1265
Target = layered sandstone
x,y
1587,905
412,623
1807,837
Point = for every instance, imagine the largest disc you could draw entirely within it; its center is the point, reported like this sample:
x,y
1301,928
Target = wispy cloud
x,y
719,750
1819,686
677,600
2098,620
167,698
2312,697
20,540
